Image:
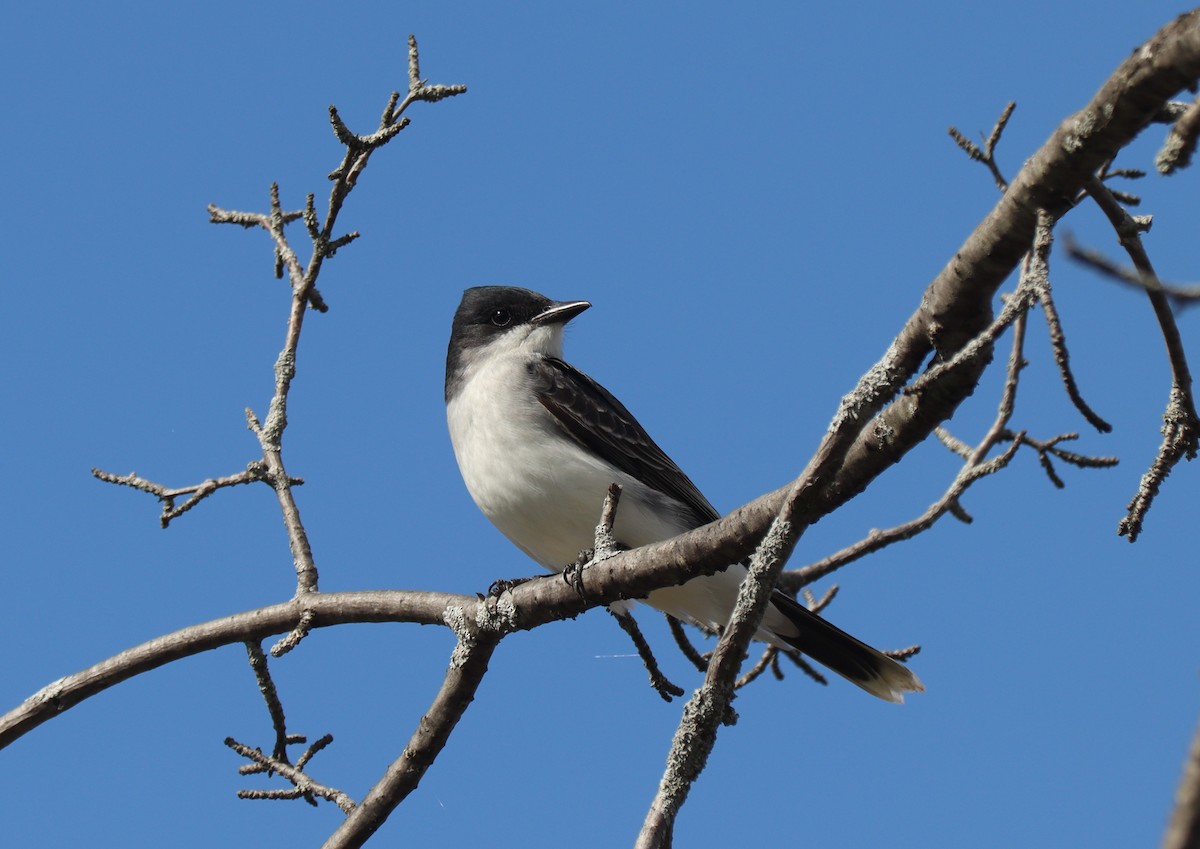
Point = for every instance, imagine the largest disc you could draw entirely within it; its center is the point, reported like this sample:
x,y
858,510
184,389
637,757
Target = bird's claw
x,y
503,585
573,574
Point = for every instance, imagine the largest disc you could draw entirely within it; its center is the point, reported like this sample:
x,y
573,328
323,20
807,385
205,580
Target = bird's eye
x,y
501,318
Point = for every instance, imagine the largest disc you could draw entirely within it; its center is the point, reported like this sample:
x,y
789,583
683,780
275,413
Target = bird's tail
x,y
853,659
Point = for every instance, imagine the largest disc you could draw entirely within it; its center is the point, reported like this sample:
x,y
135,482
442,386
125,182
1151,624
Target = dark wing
x,y
599,421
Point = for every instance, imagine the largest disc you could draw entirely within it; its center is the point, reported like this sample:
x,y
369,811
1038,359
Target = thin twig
x,y
266,686
661,684
986,154
878,539
1048,448
1062,358
698,660
605,545
292,639
767,660
1015,306
801,662
1179,296
255,471
1181,424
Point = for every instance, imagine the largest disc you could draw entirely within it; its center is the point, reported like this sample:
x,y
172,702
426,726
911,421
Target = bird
x,y
538,443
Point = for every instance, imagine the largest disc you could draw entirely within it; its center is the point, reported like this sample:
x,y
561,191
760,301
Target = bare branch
x,y
1049,448
266,686
1179,442
1062,358
299,632
711,705
698,660
978,348
303,280
799,661
418,89
528,605
952,442
768,660
661,684
606,544
876,539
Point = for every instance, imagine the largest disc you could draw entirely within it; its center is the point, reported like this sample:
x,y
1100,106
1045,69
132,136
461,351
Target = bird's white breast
x,y
529,476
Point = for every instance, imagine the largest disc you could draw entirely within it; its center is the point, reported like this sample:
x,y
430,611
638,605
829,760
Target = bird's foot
x,y
573,574
503,585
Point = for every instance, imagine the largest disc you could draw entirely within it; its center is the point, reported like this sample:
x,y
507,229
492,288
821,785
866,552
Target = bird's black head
x,y
488,312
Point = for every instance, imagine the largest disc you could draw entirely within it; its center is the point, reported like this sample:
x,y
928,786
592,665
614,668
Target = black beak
x,y
560,312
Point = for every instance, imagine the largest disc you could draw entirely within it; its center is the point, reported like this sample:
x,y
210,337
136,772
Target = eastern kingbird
x,y
539,442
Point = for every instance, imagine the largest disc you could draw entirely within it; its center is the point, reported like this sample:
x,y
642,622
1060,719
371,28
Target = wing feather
x,y
596,419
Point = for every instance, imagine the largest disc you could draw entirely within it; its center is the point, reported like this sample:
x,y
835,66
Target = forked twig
x,y
986,154
255,471
304,787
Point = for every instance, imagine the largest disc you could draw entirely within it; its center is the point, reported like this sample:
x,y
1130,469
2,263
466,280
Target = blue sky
x,y
754,201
